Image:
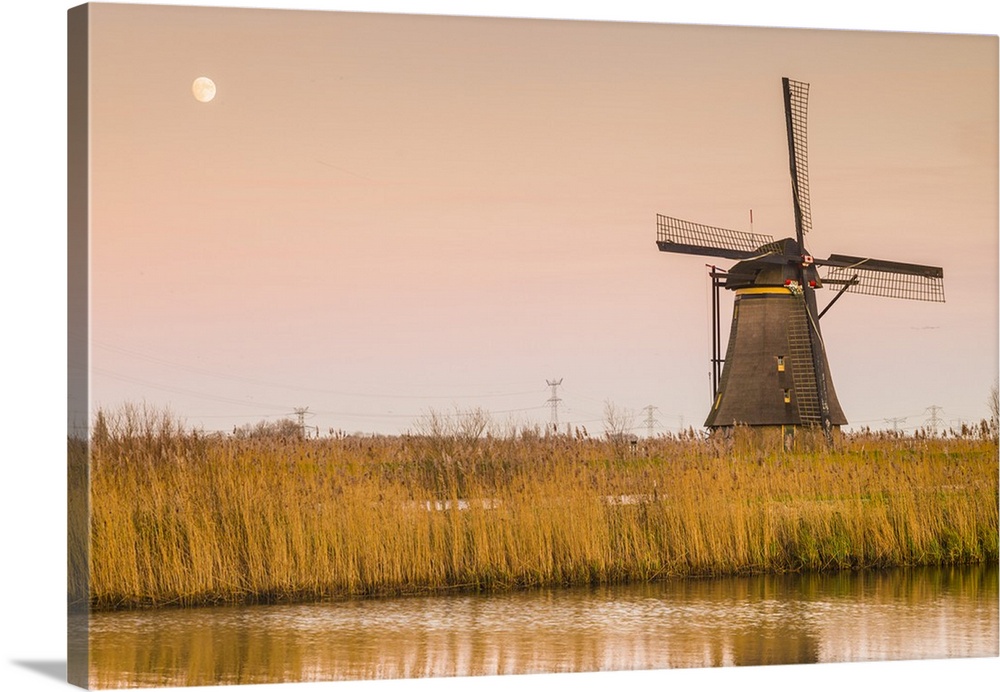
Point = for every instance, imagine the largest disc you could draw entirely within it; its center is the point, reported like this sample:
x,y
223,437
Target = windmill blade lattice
x,y
796,102
868,278
677,235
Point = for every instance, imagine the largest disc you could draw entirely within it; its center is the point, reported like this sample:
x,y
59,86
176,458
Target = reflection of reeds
x,y
180,518
761,619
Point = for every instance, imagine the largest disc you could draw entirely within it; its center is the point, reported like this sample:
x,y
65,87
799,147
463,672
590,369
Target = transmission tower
x,y
650,420
301,413
554,402
895,422
935,418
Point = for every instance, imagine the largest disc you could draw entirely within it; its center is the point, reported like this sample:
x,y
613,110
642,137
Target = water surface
x,y
831,617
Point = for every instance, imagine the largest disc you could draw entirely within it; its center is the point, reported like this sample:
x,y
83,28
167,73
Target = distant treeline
x,y
181,518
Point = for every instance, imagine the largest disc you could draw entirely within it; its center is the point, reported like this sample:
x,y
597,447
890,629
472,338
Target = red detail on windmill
x,y
812,284
807,260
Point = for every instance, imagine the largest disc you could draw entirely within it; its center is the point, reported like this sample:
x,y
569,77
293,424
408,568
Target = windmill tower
x,y
776,371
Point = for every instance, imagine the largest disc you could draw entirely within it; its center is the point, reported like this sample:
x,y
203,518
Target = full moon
x,y
203,89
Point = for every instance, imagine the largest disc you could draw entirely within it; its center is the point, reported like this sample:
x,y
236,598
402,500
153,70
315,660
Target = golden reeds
x,y
181,518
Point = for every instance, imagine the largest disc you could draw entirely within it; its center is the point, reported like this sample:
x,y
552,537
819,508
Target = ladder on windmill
x,y
800,354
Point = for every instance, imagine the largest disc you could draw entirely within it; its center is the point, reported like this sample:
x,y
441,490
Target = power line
x,y
186,392
318,390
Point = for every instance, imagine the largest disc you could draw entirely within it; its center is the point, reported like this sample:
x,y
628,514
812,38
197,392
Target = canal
x,y
897,614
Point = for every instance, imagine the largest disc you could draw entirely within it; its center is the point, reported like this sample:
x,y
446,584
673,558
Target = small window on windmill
x,y
781,364
788,396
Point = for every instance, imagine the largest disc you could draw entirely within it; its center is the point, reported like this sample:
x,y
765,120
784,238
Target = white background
x,y
32,336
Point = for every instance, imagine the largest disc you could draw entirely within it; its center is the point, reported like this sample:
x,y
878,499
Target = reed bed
x,y
180,518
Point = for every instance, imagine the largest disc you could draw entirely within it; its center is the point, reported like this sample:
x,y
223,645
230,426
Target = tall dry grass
x,y
181,518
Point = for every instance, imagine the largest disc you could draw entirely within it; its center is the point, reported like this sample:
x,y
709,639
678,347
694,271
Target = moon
x,y
203,89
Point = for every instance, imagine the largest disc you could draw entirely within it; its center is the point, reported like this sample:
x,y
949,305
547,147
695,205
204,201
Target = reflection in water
x,y
891,615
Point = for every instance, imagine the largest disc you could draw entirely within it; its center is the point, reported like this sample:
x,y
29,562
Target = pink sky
x,y
379,215
35,215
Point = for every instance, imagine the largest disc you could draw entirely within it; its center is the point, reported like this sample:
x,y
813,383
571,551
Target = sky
x,y
379,215
34,212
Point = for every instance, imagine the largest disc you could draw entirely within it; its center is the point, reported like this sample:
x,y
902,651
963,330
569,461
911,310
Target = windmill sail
x,y
677,235
796,101
884,278
796,96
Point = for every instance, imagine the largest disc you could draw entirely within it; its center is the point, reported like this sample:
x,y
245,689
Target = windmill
x,y
776,372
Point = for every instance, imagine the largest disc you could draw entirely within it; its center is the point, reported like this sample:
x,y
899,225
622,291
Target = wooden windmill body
x,y
775,371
